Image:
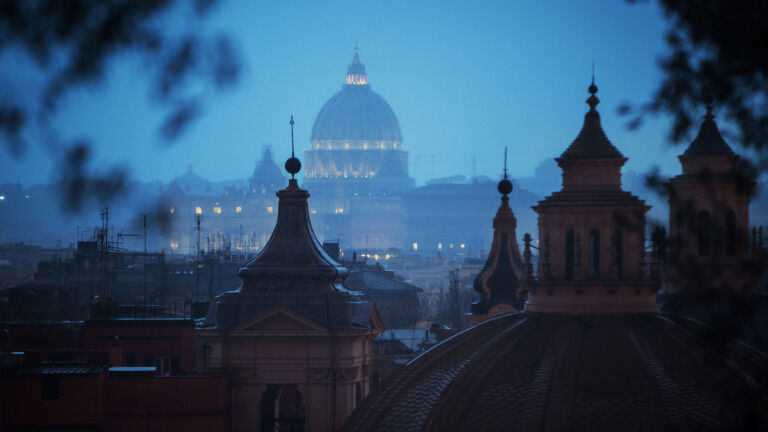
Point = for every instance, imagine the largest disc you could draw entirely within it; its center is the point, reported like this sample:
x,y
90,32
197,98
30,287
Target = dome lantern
x,y
356,71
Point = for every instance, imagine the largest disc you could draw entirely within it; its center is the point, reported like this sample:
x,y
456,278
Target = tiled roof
x,y
547,372
591,143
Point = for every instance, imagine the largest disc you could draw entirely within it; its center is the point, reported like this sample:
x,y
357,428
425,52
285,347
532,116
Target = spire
x,y
356,71
591,143
498,283
292,165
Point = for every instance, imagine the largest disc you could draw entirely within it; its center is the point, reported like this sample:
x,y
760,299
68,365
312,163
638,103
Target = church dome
x,y
356,112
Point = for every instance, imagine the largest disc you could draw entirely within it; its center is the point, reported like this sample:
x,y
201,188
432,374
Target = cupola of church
x,y
500,282
709,212
591,240
294,270
591,161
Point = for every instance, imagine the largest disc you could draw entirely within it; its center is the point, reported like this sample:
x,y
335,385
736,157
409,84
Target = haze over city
x,y
465,79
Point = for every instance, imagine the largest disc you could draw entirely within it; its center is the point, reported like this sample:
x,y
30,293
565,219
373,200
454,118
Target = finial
x,y
592,100
505,186
709,115
505,161
292,165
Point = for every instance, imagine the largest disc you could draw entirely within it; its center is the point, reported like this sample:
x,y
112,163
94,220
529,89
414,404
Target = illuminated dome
x,y
356,113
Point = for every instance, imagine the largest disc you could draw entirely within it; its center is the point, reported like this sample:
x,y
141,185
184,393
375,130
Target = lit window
x,y
440,246
461,245
173,210
198,210
217,210
387,256
313,211
339,210
238,209
174,244
415,246
2,197
270,209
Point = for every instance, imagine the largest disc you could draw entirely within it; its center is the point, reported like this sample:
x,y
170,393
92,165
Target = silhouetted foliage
x,y
713,53
72,43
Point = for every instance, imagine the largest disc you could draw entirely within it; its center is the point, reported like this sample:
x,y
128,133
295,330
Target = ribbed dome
x,y
356,113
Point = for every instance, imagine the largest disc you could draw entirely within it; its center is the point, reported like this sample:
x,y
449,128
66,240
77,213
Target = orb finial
x,y
592,101
292,165
505,186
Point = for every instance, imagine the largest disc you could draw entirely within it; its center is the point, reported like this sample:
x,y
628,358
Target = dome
x,y
524,371
356,112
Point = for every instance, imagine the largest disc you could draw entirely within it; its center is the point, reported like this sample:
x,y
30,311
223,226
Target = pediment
x,y
279,320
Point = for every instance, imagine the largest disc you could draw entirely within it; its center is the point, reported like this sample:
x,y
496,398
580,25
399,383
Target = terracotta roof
x,y
550,372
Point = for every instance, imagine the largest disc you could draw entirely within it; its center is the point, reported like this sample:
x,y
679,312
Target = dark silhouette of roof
x,y
708,142
356,113
591,143
552,372
293,270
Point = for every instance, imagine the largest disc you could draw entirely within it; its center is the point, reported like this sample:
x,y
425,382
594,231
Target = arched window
x,y
680,226
619,250
282,409
703,233
730,233
569,254
594,254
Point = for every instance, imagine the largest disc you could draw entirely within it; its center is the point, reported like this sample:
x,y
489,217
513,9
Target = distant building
x,y
240,218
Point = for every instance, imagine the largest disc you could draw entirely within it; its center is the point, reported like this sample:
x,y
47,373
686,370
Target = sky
x,y
465,79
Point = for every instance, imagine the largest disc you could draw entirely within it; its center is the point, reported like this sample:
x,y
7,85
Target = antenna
x,y
593,72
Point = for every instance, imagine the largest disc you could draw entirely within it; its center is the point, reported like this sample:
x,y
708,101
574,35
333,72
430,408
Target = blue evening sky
x,y
464,79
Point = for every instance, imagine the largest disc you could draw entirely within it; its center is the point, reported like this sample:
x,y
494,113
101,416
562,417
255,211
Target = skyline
x,y
457,92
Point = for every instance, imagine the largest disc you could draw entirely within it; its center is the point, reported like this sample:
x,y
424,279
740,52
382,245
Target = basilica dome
x,y
356,112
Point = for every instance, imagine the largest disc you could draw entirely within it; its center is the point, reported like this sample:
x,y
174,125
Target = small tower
x,y
708,215
592,233
295,342
500,282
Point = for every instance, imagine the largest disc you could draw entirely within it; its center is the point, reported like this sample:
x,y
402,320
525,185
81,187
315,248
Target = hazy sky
x,y
464,79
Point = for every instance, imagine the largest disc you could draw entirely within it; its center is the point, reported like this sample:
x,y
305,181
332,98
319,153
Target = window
x,y
198,210
439,246
594,254
462,245
569,254
162,366
358,393
217,210
238,209
680,222
50,387
619,245
173,210
730,233
270,209
702,231
415,246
